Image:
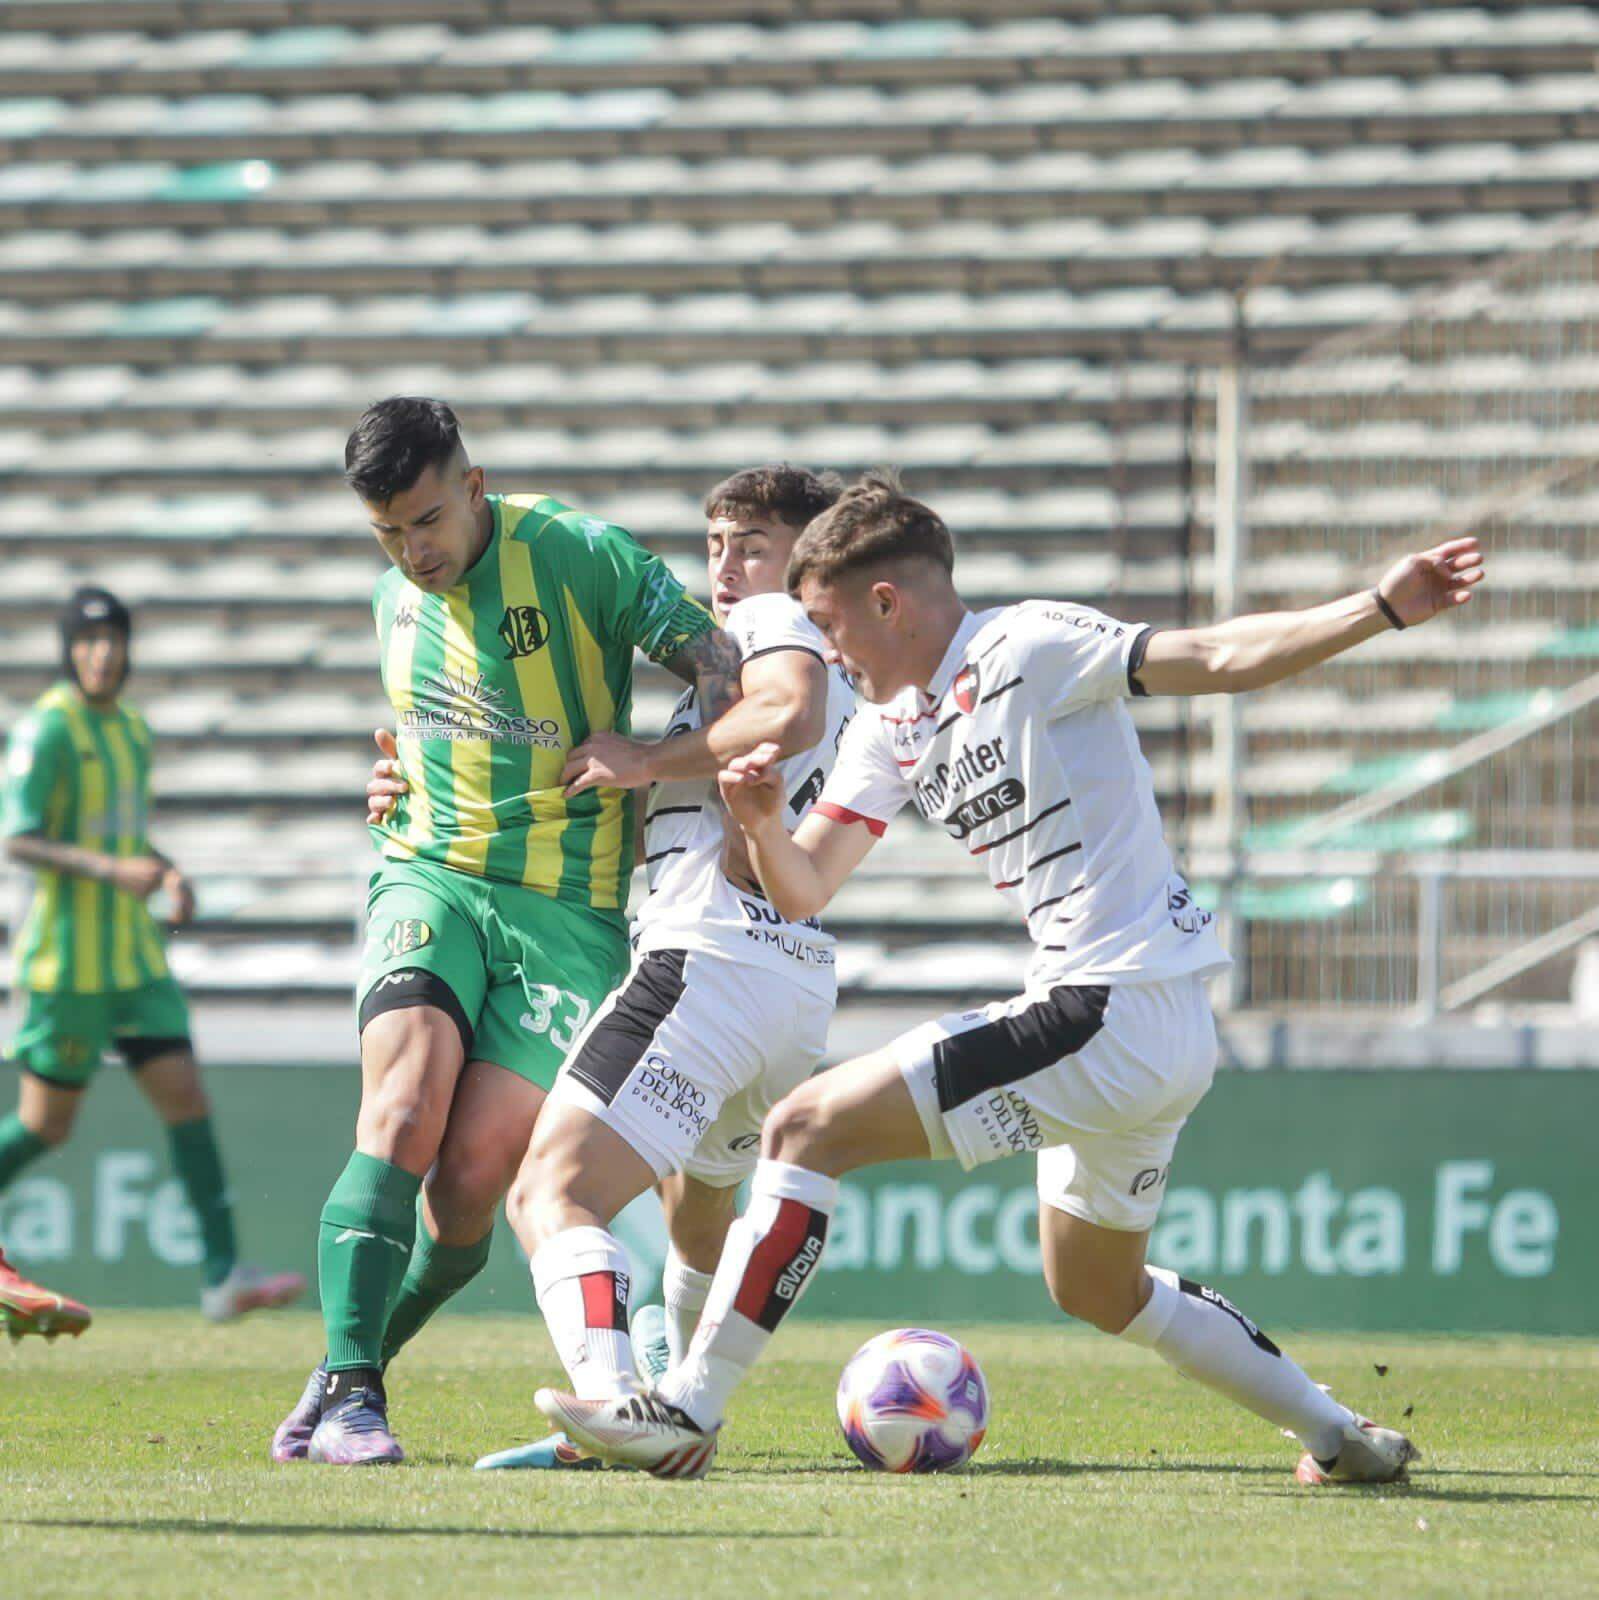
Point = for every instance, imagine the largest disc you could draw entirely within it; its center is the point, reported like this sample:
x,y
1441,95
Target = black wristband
x,y
1387,610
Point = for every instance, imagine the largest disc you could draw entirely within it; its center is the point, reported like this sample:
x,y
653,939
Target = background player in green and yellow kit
x,y
497,921
90,961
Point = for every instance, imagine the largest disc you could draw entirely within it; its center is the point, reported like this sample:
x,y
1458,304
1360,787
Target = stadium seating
x,y
998,242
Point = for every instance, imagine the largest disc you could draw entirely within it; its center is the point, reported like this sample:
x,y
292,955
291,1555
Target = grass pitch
x,y
133,1462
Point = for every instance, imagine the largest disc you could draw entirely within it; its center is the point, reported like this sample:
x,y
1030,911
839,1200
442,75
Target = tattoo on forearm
x,y
711,663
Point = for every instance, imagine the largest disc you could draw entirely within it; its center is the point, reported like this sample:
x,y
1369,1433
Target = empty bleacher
x,y
641,243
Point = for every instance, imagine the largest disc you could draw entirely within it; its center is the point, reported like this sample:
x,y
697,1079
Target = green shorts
x,y
526,971
64,1036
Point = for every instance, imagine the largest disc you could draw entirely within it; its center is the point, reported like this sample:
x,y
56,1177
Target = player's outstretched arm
x,y
1252,652
801,871
784,703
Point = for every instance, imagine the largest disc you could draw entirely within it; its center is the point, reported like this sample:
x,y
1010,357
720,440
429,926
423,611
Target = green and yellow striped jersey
x,y
495,681
79,776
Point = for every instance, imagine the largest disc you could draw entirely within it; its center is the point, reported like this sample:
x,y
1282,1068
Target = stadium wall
x,y
1446,1200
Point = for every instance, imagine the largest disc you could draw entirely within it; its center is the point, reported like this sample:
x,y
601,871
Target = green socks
x,y
19,1145
199,1167
436,1272
368,1225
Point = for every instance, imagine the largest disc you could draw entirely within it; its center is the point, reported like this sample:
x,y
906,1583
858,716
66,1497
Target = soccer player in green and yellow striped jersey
x,y
496,923
90,960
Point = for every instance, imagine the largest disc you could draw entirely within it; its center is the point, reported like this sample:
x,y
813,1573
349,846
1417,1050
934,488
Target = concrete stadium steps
x,y
912,50
55,402
1061,521
67,17
559,261
1279,180
1146,113
1143,324
987,238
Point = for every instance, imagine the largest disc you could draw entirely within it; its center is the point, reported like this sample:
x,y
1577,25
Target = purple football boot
x,y
293,1437
354,1430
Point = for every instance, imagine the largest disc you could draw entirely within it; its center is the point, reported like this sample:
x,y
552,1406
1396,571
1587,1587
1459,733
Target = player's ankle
x,y
347,1380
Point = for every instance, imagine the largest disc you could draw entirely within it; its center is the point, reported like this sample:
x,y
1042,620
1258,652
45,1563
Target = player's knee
x,y
463,1189
401,1120
186,1104
547,1193
54,1128
797,1127
1087,1297
534,1205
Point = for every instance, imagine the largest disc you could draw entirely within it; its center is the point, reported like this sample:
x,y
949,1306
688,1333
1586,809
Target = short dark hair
x,y
872,522
395,442
791,494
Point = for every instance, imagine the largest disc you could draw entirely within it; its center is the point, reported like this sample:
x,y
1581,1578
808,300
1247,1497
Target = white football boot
x,y
1368,1454
634,1430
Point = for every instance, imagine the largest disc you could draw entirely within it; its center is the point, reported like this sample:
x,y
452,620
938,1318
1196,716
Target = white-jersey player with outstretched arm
x,y
1009,729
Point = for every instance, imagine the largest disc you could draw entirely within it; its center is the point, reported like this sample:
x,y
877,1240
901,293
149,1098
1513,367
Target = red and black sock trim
x,y
605,1300
780,1264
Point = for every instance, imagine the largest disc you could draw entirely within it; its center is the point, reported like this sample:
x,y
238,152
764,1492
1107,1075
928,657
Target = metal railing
x,y
1477,412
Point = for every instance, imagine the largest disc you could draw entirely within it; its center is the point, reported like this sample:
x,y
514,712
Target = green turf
x,y
133,1462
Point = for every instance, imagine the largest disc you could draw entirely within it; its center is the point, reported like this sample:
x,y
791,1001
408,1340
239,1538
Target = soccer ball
x,y
912,1400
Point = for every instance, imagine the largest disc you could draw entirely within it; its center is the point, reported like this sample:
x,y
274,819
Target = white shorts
x,y
1099,1081
689,1054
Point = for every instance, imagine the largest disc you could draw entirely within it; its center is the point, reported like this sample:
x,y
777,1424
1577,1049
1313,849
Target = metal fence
x,y
1411,826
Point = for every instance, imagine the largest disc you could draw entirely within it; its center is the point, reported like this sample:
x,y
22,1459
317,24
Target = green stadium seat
x,y
916,37
295,48
220,181
1315,900
1492,710
1364,777
183,317
1573,643
27,118
603,45
1421,830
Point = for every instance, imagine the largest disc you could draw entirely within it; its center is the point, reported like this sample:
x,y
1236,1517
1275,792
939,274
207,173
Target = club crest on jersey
x,y
409,934
965,687
524,630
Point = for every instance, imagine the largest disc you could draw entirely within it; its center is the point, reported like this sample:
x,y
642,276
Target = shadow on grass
x,y
775,1466
1434,1485
257,1530
1435,1489
1037,1467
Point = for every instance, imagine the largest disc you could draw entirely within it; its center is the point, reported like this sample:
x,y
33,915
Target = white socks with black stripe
x,y
1207,1338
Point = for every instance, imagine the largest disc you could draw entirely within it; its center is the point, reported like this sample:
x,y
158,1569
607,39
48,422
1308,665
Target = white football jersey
x,y
1022,750
692,905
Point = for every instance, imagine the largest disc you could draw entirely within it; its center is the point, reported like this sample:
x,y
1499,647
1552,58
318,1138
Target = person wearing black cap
x,y
90,958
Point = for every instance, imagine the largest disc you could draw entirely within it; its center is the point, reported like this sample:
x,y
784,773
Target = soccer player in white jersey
x,y
1008,728
727,1004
